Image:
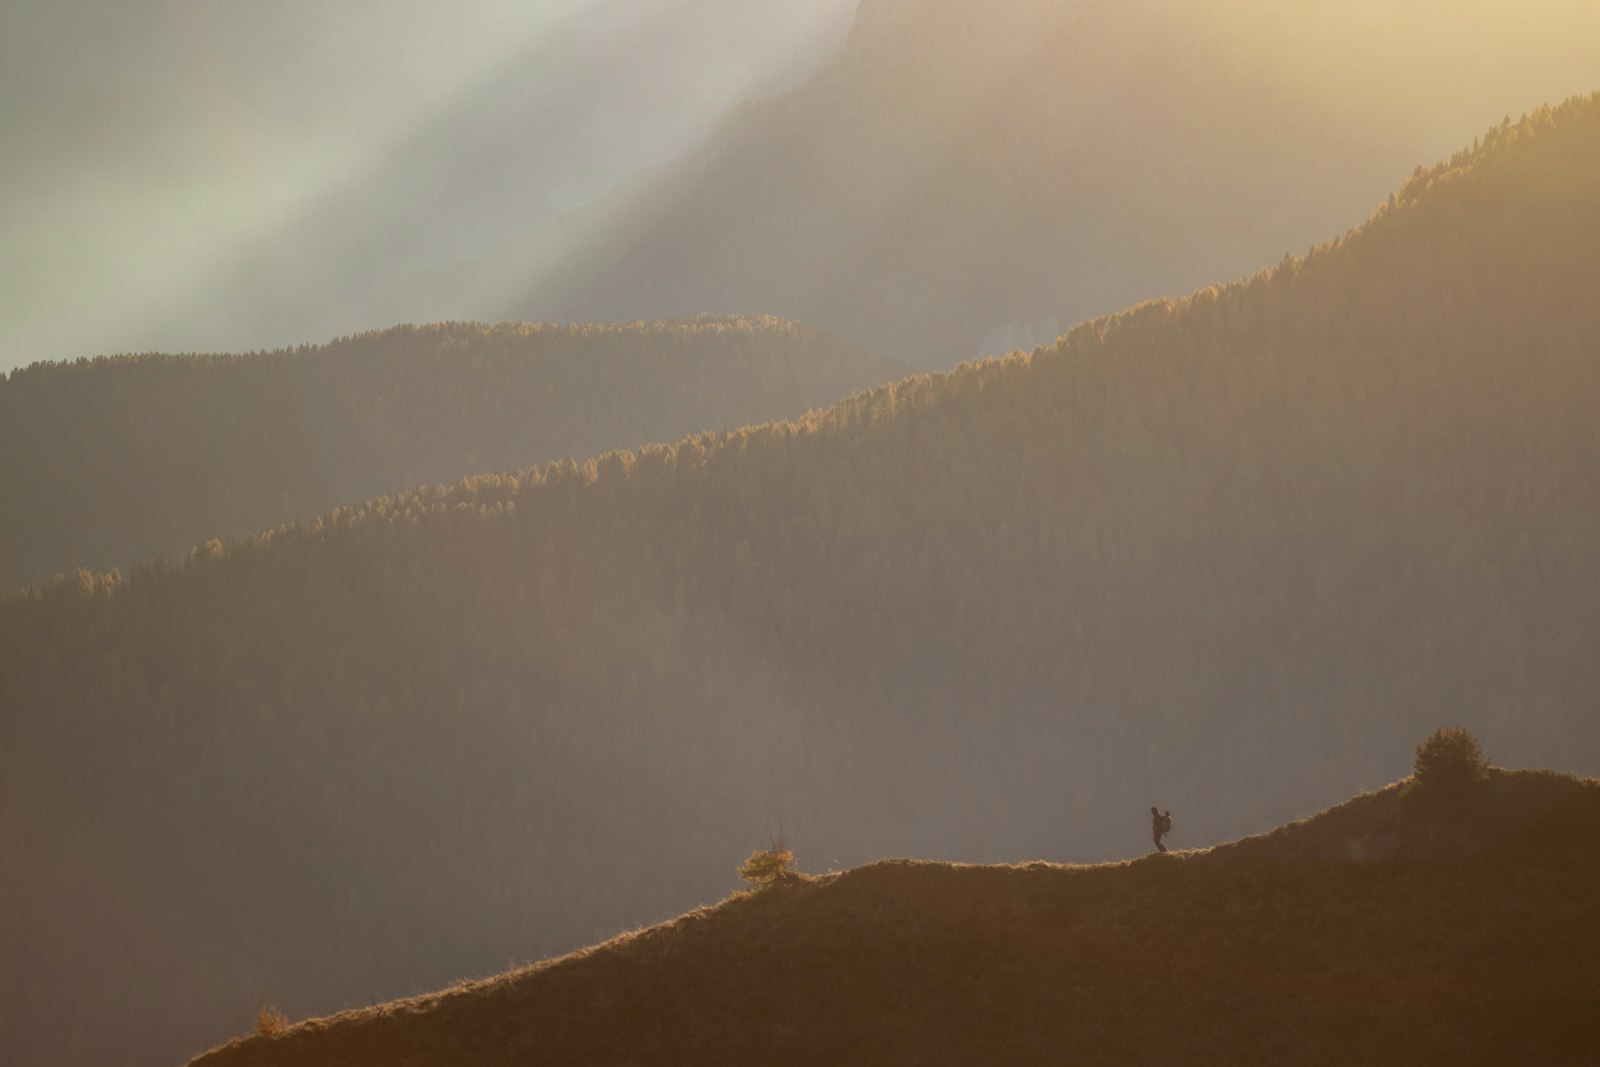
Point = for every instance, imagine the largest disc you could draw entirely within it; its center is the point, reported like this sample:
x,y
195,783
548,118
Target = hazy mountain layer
x,y
183,176
972,176
1228,555
1236,955
112,461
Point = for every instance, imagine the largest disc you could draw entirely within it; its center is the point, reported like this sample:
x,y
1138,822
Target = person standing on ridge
x,y
1160,826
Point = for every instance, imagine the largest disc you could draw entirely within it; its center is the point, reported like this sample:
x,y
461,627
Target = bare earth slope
x,y
1255,952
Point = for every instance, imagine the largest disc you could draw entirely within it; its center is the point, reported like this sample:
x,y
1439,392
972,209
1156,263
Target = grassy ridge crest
x,y
1257,947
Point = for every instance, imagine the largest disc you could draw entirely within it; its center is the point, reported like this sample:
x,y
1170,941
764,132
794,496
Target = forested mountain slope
x,y
976,176
1228,555
117,460
1229,956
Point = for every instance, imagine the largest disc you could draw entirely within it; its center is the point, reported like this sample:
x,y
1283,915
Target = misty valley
x,y
910,532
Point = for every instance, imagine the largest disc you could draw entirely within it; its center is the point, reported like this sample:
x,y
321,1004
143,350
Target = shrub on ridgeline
x,y
1448,762
270,1021
769,867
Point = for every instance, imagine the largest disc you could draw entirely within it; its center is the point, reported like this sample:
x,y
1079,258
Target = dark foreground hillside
x,y
1280,949
1227,555
115,461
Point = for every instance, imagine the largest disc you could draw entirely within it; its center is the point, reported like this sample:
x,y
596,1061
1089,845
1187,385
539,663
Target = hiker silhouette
x,y
1160,826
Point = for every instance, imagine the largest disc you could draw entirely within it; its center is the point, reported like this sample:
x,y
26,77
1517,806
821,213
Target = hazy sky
x,y
977,175
224,174
230,174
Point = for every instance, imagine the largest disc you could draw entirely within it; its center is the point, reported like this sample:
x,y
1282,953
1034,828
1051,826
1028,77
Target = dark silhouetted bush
x,y
1449,760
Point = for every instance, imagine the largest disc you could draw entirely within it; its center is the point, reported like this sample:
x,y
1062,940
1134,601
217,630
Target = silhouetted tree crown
x,y
1449,760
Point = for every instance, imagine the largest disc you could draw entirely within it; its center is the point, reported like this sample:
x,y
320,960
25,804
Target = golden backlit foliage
x,y
1241,549
116,460
766,867
270,1021
1237,956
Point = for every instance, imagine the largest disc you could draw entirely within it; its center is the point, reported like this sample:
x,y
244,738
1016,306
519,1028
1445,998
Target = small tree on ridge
x,y
768,866
1449,760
